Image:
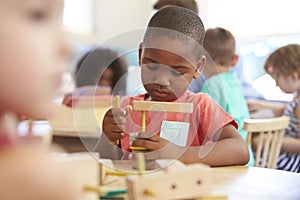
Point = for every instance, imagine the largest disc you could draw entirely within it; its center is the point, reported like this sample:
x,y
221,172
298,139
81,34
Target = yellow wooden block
x,y
158,106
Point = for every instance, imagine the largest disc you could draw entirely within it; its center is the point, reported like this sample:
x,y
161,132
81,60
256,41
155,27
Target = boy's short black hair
x,y
188,4
176,23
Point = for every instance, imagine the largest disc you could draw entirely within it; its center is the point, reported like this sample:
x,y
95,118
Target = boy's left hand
x,y
158,147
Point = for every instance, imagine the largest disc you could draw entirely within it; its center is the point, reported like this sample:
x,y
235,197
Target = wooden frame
x,y
158,106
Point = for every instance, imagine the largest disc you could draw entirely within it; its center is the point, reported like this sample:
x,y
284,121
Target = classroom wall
x,y
104,19
115,17
252,17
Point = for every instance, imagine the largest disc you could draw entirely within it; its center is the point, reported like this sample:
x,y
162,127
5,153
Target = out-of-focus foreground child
x,y
33,52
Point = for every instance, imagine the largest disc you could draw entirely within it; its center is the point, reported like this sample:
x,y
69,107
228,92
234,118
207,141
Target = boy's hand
x,y
158,147
113,125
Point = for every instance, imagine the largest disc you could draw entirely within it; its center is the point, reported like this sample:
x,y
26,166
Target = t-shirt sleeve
x,y
211,118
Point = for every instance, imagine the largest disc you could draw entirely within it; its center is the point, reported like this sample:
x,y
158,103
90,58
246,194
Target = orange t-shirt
x,y
207,118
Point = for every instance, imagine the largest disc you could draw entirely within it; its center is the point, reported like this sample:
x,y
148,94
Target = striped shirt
x,y
290,161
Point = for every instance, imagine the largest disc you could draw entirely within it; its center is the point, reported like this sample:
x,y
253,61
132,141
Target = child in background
x,y
284,66
102,67
224,86
99,67
170,56
33,52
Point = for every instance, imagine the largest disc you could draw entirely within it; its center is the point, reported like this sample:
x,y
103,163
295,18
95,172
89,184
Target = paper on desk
x,y
175,132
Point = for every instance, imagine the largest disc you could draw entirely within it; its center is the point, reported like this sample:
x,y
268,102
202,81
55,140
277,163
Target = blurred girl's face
x,y
32,55
106,78
287,83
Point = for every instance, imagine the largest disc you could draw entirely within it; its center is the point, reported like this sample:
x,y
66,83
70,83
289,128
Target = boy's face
x,y
33,52
168,67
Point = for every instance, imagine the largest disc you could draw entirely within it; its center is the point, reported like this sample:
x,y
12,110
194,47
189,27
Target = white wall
x,y
114,17
107,18
252,17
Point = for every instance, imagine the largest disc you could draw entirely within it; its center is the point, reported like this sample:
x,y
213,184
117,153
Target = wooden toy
x,y
186,182
174,180
158,106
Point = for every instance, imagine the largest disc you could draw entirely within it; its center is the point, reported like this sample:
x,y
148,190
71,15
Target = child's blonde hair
x,y
285,60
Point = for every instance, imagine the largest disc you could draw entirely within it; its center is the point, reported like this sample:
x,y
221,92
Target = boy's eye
x,y
176,73
152,67
37,15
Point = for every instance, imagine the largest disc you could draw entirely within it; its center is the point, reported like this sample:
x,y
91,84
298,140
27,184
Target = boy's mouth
x,y
160,93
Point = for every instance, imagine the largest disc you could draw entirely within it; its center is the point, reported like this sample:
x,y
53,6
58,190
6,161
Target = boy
x,y
170,57
224,86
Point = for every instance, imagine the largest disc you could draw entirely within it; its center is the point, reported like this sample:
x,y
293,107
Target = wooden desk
x,y
242,183
255,183
73,144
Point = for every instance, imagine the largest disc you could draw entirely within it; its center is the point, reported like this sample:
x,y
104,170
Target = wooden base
x,y
179,183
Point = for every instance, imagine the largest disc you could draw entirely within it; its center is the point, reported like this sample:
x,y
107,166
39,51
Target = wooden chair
x,y
266,136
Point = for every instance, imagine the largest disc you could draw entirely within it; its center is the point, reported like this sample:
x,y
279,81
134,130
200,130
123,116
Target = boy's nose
x,y
162,79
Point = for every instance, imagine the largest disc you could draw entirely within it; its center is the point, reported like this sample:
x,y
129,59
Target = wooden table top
x,y
242,183
255,183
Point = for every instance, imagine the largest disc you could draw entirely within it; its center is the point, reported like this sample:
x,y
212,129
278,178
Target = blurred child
x,y
284,66
170,56
100,67
224,86
33,52
103,67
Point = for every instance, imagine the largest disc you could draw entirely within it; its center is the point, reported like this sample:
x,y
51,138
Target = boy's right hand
x,y
113,125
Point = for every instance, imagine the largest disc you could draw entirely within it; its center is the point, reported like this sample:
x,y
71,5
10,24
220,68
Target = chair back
x,y
266,136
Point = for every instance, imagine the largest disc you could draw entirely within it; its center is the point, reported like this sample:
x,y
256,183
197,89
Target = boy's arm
x,y
228,148
256,105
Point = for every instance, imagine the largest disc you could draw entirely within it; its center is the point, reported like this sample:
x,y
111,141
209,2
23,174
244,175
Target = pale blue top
x,y
226,90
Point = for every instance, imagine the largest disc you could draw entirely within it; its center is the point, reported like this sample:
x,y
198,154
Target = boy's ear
x,y
235,60
140,53
200,66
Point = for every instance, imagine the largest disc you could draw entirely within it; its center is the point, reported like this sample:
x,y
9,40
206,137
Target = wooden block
x,y
187,182
84,169
158,106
